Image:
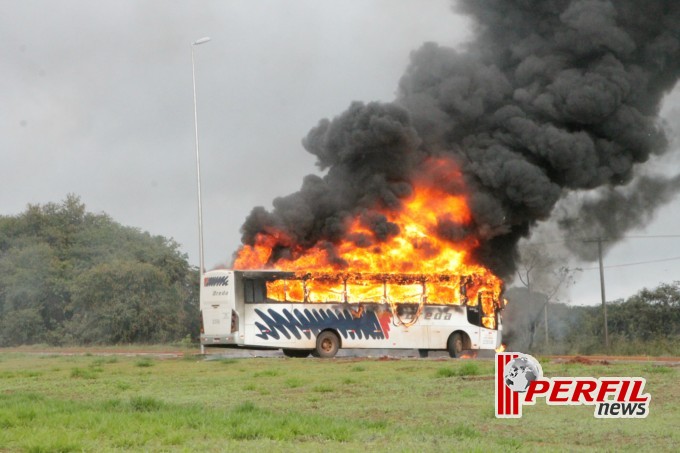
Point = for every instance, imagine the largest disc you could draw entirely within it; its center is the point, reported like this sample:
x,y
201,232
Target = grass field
x,y
105,403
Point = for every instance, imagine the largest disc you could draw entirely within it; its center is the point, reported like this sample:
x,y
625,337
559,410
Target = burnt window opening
x,y
255,291
474,312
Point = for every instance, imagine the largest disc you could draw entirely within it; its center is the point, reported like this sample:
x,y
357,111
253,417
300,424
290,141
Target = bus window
x,y
255,291
284,291
365,291
405,293
488,309
474,313
295,290
443,293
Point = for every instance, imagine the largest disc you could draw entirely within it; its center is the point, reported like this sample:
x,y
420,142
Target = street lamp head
x,y
200,41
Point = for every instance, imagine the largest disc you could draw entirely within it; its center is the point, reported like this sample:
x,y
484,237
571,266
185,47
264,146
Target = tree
x,y
650,314
21,326
645,323
67,275
125,302
544,278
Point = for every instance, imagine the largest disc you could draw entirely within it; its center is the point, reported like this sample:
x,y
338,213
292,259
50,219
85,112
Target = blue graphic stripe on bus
x,y
312,321
220,280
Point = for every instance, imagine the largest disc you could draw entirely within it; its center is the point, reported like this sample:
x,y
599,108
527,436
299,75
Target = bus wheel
x,y
327,344
296,353
423,353
455,345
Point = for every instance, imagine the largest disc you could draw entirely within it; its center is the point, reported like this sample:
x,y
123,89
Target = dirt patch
x,y
162,353
586,361
608,359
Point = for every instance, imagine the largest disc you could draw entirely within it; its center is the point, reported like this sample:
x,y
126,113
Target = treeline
x,y
68,276
647,323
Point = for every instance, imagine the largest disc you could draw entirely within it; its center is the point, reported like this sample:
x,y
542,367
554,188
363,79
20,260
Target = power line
x,y
652,236
567,240
633,264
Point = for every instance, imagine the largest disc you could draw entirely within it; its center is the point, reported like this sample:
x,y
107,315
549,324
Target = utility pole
x,y
545,320
602,294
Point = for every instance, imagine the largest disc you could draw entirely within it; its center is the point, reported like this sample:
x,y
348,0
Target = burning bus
x,y
388,277
319,313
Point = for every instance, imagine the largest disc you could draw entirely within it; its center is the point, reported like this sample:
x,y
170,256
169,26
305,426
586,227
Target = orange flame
x,y
426,221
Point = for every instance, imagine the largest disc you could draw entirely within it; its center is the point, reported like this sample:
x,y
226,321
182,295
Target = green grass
x,y
267,373
83,373
94,403
293,382
144,362
468,368
658,369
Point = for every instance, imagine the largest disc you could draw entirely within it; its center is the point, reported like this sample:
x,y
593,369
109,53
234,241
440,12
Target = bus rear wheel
x,y
296,353
455,345
327,345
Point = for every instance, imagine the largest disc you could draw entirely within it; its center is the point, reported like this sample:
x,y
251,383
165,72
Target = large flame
x,y
433,266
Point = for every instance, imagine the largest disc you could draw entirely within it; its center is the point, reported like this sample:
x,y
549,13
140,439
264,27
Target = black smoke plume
x,y
551,97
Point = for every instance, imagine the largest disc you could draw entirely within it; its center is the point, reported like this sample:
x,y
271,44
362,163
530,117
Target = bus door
x,y
474,317
489,317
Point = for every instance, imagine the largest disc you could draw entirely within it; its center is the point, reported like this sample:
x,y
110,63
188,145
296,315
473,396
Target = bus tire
x,y
327,344
423,353
455,345
296,353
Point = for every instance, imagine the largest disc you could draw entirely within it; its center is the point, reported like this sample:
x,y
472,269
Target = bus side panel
x,y
488,339
296,325
275,325
443,320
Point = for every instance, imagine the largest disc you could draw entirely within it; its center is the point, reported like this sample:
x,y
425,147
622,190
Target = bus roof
x,y
386,277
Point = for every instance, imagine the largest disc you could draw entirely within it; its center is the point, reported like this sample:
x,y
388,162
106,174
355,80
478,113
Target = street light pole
x,y
201,258
604,299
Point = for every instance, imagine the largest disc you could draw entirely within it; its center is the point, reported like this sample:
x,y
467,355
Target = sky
x,y
97,101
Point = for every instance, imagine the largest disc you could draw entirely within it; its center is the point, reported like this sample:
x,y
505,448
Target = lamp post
x,y
604,299
198,160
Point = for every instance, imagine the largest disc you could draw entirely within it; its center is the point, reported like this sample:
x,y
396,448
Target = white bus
x,y
320,313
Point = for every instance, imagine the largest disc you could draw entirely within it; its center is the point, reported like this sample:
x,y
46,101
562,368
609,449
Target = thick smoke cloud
x,y
611,211
552,97
370,152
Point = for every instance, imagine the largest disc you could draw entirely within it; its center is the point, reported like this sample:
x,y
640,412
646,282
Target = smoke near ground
x,y
550,100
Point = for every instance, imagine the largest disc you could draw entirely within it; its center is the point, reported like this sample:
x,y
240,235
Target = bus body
x,y
277,310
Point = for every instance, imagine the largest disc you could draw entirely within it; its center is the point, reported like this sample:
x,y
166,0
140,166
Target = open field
x,y
51,402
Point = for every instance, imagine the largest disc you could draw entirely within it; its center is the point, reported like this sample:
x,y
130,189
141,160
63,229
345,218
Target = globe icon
x,y
520,372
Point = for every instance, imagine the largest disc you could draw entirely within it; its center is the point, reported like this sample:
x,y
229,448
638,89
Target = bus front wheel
x,y
296,353
327,345
455,345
